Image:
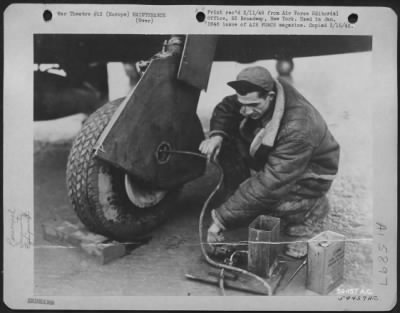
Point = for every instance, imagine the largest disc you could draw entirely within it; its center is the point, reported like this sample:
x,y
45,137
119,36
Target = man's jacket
x,y
296,154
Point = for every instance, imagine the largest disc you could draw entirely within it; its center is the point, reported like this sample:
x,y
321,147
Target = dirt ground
x,y
157,268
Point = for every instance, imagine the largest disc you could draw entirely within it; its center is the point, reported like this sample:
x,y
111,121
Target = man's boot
x,y
308,228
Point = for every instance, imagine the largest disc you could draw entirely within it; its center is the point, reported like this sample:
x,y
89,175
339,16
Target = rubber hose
x,y
201,219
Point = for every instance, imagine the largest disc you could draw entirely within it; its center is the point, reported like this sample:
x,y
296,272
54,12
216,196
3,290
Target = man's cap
x,y
253,78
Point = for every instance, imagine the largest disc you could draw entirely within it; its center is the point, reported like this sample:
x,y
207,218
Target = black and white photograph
x,y
180,163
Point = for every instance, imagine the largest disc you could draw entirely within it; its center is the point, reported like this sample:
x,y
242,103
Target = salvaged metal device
x,y
261,261
259,258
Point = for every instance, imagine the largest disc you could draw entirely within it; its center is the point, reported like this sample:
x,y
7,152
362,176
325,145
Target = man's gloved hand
x,y
211,146
214,236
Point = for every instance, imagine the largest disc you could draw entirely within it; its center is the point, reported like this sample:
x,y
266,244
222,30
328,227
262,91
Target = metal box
x,y
263,245
325,262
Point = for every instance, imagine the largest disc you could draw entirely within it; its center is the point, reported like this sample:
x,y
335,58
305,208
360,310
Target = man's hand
x,y
214,236
211,146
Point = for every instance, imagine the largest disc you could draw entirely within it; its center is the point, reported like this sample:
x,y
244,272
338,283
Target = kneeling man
x,y
278,155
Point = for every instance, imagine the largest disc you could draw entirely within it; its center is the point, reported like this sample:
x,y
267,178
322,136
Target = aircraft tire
x,y
97,192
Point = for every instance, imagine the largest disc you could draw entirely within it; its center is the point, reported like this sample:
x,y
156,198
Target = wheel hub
x,y
142,197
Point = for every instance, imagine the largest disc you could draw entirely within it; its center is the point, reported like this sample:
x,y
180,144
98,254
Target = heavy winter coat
x,y
294,154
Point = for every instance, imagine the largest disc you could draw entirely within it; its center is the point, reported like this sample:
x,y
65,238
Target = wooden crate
x,y
96,246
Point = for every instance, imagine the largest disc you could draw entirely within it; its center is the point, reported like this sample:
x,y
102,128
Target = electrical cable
x,y
201,219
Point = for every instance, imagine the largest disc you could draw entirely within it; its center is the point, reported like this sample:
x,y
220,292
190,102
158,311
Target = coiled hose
x,y
201,219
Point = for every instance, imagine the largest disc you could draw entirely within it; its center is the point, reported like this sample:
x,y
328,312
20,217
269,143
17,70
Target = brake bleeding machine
x,y
258,266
